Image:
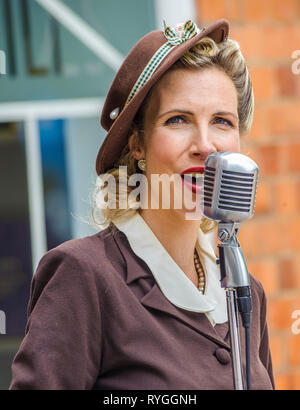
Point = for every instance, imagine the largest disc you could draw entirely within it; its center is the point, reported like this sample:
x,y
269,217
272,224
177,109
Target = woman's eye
x,y
223,121
177,119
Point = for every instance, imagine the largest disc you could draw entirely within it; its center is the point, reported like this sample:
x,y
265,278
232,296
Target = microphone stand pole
x,y
235,279
238,380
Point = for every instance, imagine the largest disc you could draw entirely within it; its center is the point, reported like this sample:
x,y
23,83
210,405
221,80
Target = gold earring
x,y
142,164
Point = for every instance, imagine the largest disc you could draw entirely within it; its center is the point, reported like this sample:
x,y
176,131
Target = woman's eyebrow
x,y
178,110
227,113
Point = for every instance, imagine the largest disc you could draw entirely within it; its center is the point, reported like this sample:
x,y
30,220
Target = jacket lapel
x,y
137,269
155,299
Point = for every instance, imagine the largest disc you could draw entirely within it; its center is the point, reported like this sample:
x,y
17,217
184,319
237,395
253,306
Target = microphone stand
x,y
236,281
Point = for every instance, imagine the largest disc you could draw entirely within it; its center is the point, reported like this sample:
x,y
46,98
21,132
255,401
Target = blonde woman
x,y
139,305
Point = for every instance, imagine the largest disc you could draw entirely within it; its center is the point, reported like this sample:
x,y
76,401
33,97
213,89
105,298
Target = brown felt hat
x,y
148,60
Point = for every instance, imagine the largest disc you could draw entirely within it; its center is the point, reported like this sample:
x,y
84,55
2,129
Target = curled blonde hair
x,y
225,56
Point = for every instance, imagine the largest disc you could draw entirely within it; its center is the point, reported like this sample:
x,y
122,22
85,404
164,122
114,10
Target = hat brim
x,y
117,136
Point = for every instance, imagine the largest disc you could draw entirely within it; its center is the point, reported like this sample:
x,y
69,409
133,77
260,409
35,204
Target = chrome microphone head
x,y
230,181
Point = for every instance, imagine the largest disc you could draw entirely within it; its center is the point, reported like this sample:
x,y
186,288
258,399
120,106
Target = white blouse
x,y
172,281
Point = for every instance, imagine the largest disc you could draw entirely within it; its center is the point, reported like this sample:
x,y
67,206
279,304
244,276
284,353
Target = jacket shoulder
x,y
83,246
257,288
89,255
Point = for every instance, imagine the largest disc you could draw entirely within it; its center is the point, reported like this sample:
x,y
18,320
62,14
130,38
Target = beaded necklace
x,y
200,272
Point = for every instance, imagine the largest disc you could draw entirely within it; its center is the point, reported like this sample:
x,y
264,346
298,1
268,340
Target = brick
x,y
283,118
268,11
291,156
266,271
270,159
287,197
280,311
234,12
289,268
295,380
258,130
293,38
264,201
256,10
292,237
274,42
283,381
206,11
283,11
294,350
264,82
287,381
279,41
270,237
248,238
287,81
250,40
276,348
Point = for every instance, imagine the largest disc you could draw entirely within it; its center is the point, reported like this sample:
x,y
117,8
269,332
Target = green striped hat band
x,y
175,36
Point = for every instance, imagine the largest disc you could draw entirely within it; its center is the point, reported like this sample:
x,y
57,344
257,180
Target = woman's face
x,y
190,114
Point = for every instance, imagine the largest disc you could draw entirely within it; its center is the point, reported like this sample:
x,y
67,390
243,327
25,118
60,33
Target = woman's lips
x,y
189,178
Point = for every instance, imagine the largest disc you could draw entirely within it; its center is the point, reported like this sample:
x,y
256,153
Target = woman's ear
x,y
135,146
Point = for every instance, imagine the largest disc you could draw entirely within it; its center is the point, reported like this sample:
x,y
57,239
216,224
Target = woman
x,y
139,305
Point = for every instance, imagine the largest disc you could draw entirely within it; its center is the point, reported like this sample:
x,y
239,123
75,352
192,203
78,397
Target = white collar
x,y
173,282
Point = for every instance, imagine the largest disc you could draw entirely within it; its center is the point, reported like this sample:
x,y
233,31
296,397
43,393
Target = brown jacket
x,y
98,320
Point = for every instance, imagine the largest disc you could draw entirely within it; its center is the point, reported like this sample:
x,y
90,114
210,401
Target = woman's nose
x,y
202,144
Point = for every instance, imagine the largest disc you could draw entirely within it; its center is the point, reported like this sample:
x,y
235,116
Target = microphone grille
x,y
229,188
236,191
209,182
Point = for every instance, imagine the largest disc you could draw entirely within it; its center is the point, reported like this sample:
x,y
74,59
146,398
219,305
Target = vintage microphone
x,y
230,181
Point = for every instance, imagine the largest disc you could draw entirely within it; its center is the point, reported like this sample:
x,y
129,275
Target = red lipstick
x,y
190,181
200,170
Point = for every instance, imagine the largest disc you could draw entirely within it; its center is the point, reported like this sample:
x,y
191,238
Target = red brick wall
x,y
268,32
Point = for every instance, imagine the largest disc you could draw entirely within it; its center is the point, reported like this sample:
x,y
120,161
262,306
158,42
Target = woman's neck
x,y
176,234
